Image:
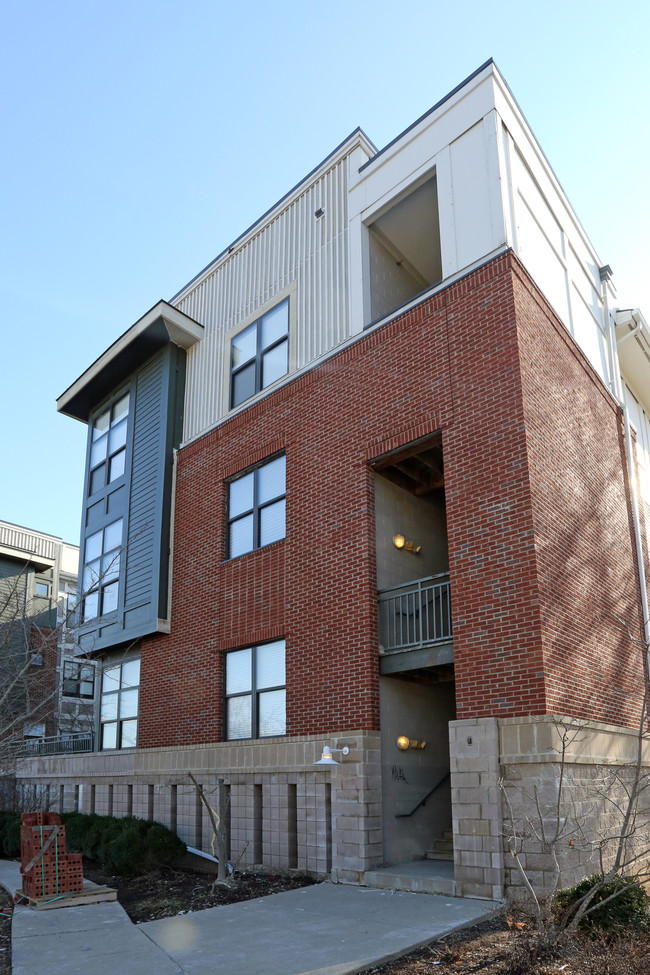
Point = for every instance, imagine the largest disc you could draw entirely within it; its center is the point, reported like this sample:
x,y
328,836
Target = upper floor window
x,y
260,354
100,580
108,445
256,507
78,679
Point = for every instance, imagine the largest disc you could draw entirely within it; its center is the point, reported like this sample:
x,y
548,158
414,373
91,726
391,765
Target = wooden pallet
x,y
91,894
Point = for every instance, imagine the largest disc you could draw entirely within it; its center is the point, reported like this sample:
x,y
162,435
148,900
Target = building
x,y
48,693
380,471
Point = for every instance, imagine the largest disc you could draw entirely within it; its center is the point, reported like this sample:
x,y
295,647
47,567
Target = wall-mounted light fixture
x,y
400,542
326,757
319,213
404,743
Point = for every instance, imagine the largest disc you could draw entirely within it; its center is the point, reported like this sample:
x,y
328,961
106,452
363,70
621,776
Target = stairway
x,y
443,847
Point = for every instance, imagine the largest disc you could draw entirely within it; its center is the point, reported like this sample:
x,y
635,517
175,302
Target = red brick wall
x,y
451,364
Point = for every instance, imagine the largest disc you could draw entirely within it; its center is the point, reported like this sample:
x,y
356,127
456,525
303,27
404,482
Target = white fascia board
x,y
181,329
26,556
412,155
358,140
535,158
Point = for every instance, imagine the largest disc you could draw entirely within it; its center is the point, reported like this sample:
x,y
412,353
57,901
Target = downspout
x,y
636,320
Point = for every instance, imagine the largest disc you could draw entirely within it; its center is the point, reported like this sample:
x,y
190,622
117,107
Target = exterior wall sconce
x,y
404,743
326,757
400,542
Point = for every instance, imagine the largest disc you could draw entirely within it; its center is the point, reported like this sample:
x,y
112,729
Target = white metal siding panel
x,y
295,247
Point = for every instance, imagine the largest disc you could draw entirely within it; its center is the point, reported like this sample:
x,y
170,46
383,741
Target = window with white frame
x,y
78,679
259,354
108,445
101,571
119,704
256,691
256,507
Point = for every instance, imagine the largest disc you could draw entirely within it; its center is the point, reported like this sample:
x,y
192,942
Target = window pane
x,y
271,480
110,566
91,604
129,734
275,364
42,589
109,735
93,547
275,324
109,707
129,703
272,714
97,479
98,451
270,665
91,575
238,671
113,536
86,688
121,408
238,723
241,536
244,346
272,523
117,437
109,598
243,384
241,495
131,673
100,425
117,466
111,679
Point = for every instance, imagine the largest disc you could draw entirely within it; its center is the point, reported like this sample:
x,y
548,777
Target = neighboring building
x,y
39,665
366,476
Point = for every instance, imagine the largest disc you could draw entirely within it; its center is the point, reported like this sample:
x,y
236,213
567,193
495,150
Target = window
x,y
260,354
108,445
100,581
42,589
119,705
256,507
255,691
78,679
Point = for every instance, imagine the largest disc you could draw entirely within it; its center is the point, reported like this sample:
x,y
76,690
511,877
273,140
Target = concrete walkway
x,y
327,929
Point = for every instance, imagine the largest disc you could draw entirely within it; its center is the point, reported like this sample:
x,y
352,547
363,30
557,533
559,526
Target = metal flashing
x,y
160,325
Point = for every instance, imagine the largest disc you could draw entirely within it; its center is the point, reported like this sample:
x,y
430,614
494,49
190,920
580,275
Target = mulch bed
x,y
166,893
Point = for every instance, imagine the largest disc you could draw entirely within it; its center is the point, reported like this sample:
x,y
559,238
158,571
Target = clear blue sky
x,y
140,138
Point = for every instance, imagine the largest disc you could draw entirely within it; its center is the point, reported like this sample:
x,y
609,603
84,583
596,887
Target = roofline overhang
x,y
161,325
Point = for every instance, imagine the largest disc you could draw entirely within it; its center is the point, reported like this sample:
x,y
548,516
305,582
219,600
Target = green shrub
x,y
628,909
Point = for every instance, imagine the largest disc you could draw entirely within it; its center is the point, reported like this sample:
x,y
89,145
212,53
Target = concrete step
x,y
420,876
440,855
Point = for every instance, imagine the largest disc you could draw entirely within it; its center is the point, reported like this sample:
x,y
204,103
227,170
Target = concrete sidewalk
x,y
327,929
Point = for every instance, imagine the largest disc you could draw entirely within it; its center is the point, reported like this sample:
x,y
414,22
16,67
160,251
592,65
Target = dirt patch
x,y
166,893
5,936
495,948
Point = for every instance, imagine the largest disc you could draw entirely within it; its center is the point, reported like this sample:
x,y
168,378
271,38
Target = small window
x,y
78,679
259,354
108,445
119,705
42,589
256,692
256,507
101,571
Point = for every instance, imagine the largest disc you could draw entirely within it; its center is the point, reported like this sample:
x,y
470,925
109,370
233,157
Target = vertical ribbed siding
x,y
294,247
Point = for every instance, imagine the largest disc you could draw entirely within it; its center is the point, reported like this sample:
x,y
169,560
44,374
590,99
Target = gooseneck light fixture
x,y
326,757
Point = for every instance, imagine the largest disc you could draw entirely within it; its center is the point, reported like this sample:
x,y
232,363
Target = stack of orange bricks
x,y
54,871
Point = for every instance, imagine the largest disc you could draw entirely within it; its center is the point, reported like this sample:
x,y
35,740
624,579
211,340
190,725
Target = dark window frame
x,y
117,693
258,357
257,508
78,680
106,578
109,455
254,693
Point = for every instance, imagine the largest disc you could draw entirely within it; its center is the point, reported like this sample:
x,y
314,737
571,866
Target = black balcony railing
x,y
69,744
415,614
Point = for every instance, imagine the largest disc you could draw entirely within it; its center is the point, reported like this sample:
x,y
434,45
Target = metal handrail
x,y
72,744
423,802
415,614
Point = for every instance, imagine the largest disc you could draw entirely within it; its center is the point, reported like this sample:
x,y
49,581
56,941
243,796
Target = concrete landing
x,y
418,876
